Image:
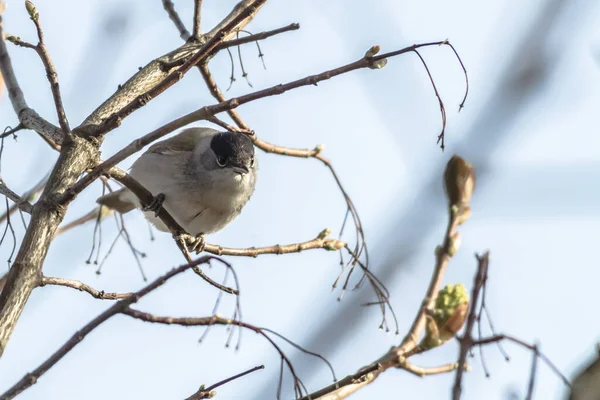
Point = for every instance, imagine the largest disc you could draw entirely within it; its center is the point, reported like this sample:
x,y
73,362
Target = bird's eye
x,y
252,161
222,161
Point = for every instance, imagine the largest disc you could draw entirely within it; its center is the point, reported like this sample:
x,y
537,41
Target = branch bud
x,y
319,148
324,233
32,10
459,181
378,64
13,39
447,317
372,51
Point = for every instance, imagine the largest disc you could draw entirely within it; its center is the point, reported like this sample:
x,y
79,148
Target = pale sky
x,y
536,206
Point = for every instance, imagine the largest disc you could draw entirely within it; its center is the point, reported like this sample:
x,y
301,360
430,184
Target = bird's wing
x,y
122,201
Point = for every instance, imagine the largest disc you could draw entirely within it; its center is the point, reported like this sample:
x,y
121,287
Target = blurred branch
x,y
82,287
170,9
531,347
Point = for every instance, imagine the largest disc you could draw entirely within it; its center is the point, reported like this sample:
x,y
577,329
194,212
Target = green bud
x,y
372,51
32,10
379,64
324,233
447,317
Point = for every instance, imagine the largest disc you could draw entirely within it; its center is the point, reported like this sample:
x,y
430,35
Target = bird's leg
x,y
156,204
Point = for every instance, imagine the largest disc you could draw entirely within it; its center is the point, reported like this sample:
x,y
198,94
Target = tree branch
x,y
207,112
170,9
208,392
197,19
259,36
21,203
119,307
79,152
27,116
51,74
82,287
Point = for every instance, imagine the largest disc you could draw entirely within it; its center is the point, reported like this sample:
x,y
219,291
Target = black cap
x,y
236,147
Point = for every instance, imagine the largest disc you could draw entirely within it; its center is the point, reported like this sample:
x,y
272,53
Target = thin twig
x,y
259,36
209,111
119,307
466,341
545,359
534,361
51,74
206,393
197,19
170,9
82,287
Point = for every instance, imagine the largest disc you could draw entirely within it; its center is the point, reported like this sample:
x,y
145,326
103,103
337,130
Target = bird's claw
x,y
156,204
194,243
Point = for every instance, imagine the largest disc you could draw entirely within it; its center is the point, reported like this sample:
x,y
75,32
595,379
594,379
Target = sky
x,y
529,127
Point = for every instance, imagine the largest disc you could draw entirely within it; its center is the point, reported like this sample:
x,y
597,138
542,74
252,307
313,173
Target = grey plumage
x,y
206,176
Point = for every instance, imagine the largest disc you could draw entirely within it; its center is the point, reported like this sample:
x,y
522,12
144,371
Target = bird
x,y
202,177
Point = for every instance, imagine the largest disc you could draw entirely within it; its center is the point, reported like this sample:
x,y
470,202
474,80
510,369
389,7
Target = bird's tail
x,y
122,200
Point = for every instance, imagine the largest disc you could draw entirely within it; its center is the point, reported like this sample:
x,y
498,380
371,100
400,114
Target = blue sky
x,y
529,127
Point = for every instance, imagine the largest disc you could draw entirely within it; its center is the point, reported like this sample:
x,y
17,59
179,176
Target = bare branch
x,y
28,196
27,116
317,243
165,71
23,204
81,151
82,287
534,361
547,361
259,36
207,393
50,72
207,112
197,19
170,9
466,342
119,307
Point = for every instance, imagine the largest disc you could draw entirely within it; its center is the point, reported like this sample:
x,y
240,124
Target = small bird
x,y
201,176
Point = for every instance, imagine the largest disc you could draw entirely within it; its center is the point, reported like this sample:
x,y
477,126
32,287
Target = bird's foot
x,y
156,204
193,243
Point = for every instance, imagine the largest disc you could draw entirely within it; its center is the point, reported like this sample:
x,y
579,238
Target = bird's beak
x,y
241,169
